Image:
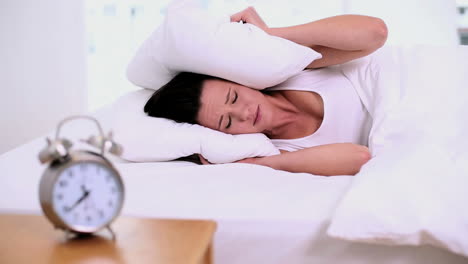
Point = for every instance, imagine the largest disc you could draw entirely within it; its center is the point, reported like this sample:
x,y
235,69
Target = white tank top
x,y
345,117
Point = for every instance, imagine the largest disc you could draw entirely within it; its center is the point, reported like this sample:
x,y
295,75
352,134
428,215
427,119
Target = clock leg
x,y
69,235
112,233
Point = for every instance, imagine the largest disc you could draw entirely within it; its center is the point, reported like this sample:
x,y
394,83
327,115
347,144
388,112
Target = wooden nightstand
x,y
31,239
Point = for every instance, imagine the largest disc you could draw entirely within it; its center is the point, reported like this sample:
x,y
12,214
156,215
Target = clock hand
x,y
83,188
81,199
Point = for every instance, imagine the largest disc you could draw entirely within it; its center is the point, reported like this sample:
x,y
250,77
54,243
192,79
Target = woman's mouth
x,y
258,115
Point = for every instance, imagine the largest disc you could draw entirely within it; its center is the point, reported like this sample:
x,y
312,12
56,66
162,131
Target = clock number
x,y
63,183
59,196
83,167
88,218
110,203
101,214
70,173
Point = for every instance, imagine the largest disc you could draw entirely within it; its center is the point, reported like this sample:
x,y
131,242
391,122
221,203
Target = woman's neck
x,y
285,113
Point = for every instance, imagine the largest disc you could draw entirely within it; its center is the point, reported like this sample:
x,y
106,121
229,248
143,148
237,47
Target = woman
x,y
315,118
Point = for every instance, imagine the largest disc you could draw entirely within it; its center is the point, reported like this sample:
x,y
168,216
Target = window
x,y
115,28
463,21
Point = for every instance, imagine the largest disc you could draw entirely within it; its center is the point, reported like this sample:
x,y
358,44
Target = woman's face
x,y
233,108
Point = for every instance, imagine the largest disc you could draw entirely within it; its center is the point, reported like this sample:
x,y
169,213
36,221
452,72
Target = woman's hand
x,y
257,161
250,15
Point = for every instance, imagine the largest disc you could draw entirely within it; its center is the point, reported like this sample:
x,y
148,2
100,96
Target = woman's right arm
x,y
339,39
328,160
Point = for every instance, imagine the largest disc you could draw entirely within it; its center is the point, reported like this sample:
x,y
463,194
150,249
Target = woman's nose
x,y
242,113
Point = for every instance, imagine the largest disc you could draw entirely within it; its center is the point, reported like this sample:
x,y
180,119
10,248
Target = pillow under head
x,y
149,139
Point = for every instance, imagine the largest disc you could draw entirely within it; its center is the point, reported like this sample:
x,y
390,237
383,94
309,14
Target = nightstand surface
x,y
32,239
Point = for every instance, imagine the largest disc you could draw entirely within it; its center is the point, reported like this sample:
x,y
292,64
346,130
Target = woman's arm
x,y
339,39
328,160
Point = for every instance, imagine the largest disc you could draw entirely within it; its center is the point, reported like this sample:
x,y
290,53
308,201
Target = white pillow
x,y
147,139
194,40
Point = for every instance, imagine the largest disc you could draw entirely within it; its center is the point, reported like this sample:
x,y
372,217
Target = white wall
x,y
42,67
412,22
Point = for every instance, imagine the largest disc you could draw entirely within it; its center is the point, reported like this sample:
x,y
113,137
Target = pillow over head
x,y
192,39
147,139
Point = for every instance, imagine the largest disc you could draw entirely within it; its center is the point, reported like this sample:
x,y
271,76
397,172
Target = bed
x,y
263,215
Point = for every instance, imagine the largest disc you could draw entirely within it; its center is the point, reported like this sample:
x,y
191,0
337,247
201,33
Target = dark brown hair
x,y
179,99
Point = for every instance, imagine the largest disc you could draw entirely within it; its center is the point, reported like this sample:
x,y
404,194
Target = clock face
x,y
87,196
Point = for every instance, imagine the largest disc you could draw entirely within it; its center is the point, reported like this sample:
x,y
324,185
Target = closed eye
x,y
229,123
235,97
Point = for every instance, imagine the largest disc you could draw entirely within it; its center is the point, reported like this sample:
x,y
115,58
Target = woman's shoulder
x,y
308,101
294,95
310,80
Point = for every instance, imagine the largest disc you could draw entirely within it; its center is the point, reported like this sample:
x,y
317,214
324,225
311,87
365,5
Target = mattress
x,y
263,215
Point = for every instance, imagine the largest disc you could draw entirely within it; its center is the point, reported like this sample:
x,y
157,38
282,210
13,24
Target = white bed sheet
x,y
263,215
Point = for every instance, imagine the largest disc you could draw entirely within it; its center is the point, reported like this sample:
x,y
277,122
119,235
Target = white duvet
x,y
414,189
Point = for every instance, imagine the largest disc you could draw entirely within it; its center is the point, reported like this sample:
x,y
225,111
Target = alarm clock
x,y
81,191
